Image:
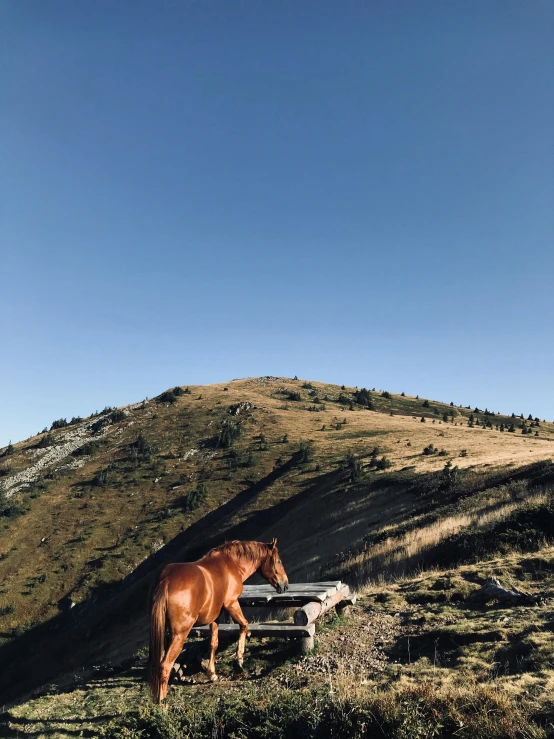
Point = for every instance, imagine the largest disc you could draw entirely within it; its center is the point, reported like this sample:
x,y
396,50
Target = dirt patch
x,y
354,645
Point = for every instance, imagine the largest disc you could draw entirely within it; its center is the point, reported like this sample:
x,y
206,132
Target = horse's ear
x,y
273,544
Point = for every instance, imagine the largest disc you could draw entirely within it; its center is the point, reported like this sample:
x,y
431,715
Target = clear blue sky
x,y
358,191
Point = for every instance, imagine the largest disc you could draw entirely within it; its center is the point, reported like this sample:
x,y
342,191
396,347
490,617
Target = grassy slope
x,y
98,536
418,657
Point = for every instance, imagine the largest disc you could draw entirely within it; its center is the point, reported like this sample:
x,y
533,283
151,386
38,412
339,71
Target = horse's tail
x,y
157,633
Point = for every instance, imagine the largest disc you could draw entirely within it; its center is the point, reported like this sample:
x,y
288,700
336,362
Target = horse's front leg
x,y
237,615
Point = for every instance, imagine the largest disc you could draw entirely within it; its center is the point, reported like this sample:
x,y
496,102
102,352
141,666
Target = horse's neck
x,y
247,567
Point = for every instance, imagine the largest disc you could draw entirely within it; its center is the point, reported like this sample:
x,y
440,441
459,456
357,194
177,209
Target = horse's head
x,y
272,569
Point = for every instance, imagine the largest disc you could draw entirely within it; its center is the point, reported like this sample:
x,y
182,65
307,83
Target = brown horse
x,y
193,593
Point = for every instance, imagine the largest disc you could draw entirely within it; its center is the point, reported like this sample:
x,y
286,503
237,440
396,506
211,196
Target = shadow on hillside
x,y
112,622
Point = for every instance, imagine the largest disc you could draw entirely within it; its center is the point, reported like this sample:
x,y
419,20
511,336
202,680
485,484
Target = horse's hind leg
x,y
214,641
173,651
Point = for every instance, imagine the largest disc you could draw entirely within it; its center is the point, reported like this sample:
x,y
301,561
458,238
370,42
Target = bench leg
x,y
306,644
342,610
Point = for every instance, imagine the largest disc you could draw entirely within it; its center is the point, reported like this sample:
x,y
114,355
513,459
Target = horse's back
x,y
200,589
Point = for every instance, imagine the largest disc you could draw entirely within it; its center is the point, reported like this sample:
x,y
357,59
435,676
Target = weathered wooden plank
x,y
316,594
260,630
294,591
301,585
279,602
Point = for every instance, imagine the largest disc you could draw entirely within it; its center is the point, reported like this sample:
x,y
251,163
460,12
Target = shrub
x,y
344,399
141,449
425,404
89,448
195,499
230,430
44,442
307,386
429,450
116,416
8,450
463,453
101,478
363,397
7,609
354,467
383,463
386,394
59,424
403,394
9,508
304,453
422,419
170,396
293,395
167,397
374,461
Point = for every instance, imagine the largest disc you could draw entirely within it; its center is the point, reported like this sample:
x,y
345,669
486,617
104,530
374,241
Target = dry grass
x,y
95,537
397,555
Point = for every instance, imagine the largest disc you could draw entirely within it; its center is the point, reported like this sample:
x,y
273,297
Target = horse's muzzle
x,y
282,588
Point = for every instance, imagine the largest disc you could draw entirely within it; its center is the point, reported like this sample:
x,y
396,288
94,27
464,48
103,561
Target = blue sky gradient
x,y
356,192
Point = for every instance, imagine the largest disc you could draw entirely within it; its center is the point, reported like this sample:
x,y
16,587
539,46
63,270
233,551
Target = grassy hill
x,y
353,483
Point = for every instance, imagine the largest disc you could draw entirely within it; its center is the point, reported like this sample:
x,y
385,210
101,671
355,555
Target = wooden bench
x,y
311,599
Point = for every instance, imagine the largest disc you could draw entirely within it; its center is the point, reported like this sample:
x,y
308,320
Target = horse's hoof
x,y
238,666
214,678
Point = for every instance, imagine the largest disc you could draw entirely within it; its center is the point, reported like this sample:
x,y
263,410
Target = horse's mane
x,y
251,551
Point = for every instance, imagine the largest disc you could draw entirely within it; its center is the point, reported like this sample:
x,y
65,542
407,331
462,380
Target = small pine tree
x,y
304,453
383,463
402,394
9,449
422,419
425,404
285,438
